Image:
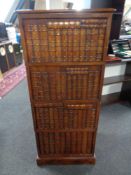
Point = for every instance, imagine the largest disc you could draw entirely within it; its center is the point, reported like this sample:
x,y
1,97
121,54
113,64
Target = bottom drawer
x,y
66,143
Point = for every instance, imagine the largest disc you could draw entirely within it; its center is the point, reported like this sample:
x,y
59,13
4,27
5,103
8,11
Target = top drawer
x,y
65,40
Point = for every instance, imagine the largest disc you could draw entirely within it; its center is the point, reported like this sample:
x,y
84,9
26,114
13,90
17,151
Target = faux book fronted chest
x,y
64,54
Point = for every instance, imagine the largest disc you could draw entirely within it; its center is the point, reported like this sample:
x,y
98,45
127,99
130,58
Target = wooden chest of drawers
x,y
64,53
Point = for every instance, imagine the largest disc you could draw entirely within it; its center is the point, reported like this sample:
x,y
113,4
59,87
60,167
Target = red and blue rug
x,y
11,79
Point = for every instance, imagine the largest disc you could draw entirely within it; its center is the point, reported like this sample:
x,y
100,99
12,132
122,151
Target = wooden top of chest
x,y
99,10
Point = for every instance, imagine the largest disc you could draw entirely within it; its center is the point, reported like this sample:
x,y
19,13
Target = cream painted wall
x,y
40,4
60,4
56,4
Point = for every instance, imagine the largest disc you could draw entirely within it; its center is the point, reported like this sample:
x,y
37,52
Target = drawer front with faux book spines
x,y
67,116
66,143
66,83
62,40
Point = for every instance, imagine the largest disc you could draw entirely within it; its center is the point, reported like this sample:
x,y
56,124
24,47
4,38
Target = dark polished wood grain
x,y
110,98
117,79
126,87
65,56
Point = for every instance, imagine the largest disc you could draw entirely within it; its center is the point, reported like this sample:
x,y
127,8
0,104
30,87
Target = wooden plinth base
x,y
66,160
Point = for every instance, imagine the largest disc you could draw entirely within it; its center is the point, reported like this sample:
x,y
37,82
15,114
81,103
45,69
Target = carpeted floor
x,y
11,79
17,142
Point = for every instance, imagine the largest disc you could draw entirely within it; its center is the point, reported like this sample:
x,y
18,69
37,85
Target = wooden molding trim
x,y
66,160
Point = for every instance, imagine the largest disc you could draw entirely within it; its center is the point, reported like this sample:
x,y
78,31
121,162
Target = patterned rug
x,y
11,79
